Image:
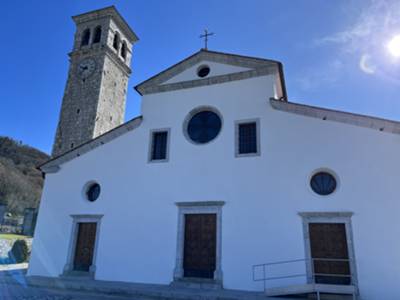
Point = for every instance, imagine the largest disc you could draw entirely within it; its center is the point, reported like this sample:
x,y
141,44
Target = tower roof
x,y
111,12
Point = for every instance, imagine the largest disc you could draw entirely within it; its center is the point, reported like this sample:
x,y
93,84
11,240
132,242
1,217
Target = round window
x,y
204,126
203,71
93,192
323,183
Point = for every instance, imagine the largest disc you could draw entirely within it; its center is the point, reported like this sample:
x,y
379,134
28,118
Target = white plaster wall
x,y
263,194
216,69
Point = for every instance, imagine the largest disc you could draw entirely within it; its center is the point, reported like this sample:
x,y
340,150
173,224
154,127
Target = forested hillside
x,y
20,182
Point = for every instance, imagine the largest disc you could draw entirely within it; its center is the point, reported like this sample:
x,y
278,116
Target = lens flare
x,y
394,46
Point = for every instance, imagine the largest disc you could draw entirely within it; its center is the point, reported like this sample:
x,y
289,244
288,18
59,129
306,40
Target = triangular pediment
x,y
216,69
223,67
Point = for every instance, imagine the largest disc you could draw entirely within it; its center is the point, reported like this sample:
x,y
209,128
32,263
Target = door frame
x,y
200,207
76,219
329,217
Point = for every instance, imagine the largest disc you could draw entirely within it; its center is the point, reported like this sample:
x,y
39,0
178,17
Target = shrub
x,y
19,251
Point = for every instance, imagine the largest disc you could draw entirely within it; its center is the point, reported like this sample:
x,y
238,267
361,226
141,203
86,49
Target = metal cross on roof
x,y
205,36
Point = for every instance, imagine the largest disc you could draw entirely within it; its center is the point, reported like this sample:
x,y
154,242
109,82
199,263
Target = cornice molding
x,y
258,66
102,50
324,214
151,89
337,116
54,164
108,12
200,203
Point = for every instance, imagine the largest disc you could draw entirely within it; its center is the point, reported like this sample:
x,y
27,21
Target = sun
x,y
394,46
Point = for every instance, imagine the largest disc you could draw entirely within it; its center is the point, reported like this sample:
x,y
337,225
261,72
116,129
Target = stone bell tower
x,y
95,93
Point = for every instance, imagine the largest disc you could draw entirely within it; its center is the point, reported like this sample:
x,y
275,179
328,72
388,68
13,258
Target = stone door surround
x,y
76,219
328,217
199,207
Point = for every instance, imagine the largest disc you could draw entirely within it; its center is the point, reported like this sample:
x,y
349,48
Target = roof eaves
x,y
241,56
337,116
53,165
138,86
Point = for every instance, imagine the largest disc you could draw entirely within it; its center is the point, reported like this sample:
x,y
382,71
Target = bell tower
x,y
95,92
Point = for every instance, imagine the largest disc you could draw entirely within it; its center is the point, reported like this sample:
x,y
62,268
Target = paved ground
x,y
13,287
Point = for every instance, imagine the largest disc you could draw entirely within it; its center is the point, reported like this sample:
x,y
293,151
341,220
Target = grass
x,y
11,236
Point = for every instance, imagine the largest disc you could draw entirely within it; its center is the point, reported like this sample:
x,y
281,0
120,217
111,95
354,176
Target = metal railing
x,y
310,273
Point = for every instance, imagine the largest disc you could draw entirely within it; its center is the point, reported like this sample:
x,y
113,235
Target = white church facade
x,y
218,175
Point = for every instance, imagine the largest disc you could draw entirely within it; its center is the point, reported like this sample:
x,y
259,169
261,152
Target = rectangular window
x,y
247,136
159,145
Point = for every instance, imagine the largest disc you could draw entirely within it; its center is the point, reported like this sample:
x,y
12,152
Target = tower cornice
x,y
102,50
112,13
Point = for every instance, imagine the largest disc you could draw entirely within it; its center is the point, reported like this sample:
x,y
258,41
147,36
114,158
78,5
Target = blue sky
x,y
334,52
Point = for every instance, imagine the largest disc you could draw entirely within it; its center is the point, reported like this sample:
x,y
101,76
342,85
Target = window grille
x,y
159,145
248,138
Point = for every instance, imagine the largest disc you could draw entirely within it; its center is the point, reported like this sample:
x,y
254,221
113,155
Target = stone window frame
x,y
69,265
329,217
124,50
198,207
258,137
86,31
116,42
152,131
97,33
195,111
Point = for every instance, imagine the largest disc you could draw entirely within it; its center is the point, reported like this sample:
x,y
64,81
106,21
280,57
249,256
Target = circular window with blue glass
x,y
93,192
203,126
203,71
323,183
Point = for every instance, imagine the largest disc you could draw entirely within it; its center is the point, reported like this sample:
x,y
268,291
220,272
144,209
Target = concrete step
x,y
327,291
148,291
331,297
197,283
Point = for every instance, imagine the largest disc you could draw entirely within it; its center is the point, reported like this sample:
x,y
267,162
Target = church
x,y
220,183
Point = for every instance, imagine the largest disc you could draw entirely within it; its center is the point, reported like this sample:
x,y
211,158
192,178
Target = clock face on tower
x,y
86,68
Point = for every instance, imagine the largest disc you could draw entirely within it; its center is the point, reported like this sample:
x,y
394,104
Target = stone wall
x,y
94,103
28,228
112,98
2,212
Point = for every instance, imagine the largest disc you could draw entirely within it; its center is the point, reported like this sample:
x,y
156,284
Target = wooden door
x,y
329,241
200,245
85,246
